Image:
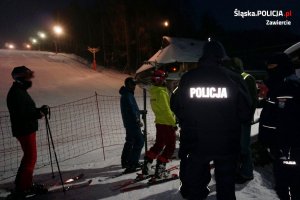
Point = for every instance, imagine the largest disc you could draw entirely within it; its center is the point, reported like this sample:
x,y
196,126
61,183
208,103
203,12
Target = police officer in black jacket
x,y
210,103
279,127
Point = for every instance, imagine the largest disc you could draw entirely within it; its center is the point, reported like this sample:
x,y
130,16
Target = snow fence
x,y
77,128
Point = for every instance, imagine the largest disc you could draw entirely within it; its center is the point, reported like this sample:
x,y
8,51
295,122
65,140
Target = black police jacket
x,y
23,111
279,126
210,103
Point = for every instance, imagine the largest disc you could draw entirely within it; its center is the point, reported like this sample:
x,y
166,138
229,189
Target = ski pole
x,y
49,146
51,138
145,119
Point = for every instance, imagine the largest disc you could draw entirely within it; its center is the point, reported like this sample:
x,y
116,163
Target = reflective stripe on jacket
x,y
251,84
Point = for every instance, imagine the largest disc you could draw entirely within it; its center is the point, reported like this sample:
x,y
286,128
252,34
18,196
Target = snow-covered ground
x,y
60,78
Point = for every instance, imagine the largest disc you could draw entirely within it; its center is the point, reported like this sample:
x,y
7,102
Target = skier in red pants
x,y
164,146
24,123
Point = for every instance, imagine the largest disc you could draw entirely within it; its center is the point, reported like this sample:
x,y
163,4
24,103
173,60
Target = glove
x,y
140,124
175,128
143,112
45,109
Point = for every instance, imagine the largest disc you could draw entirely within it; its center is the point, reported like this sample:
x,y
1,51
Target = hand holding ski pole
x,y
144,114
45,110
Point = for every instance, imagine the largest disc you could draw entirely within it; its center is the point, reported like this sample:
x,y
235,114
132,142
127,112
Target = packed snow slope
x,y
61,78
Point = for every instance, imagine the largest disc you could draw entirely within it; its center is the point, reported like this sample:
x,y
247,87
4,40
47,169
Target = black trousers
x,y
287,178
197,176
133,146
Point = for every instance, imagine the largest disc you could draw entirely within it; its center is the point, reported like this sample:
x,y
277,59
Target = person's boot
x,y
37,188
146,169
129,170
16,195
124,164
183,191
160,170
132,168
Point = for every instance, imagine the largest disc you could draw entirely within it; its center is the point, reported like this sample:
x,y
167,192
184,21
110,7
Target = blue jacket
x,y
129,108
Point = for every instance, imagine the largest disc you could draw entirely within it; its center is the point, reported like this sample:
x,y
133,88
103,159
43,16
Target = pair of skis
x,y
127,186
121,174
117,175
151,182
71,186
70,183
69,180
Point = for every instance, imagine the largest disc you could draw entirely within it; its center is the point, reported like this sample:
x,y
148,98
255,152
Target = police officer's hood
x,y
283,69
214,52
237,65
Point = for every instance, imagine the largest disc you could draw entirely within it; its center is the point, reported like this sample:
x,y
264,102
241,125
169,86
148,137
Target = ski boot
x,y
16,195
146,169
183,191
124,164
37,188
133,168
138,165
160,170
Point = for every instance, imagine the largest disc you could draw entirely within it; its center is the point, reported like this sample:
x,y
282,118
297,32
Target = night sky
x,y
19,19
224,12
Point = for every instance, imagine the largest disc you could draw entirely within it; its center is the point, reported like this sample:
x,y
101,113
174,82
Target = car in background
x,y
294,53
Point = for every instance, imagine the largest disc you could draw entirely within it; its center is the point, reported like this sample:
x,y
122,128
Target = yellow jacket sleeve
x,y
160,103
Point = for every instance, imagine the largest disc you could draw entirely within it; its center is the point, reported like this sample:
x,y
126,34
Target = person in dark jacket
x,y
279,127
131,120
24,117
245,164
210,103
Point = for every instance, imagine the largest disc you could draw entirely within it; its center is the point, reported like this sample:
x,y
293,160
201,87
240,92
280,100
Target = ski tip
x,y
80,176
75,178
79,185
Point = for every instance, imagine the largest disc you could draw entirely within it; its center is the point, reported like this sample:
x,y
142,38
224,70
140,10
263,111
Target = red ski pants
x,y
164,146
25,172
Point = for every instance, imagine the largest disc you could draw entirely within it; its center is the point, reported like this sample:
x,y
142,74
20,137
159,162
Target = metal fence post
x,y
98,109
